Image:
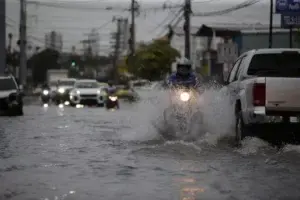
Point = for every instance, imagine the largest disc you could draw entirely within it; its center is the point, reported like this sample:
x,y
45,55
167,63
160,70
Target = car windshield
x,y
284,64
67,83
87,85
7,84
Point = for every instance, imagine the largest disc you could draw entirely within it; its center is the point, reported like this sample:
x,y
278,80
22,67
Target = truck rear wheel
x,y
241,130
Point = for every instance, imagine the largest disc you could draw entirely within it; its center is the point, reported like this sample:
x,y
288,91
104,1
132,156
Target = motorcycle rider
x,y
45,96
45,86
111,90
184,75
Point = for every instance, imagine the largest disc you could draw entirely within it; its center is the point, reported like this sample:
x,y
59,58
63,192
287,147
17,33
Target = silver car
x,y
87,92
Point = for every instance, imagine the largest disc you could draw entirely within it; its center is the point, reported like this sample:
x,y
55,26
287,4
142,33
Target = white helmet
x,y
183,61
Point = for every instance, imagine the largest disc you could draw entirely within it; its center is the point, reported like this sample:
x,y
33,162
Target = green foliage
x,y
153,61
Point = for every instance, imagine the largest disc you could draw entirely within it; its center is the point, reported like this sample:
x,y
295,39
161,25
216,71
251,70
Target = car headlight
x,y
61,90
45,92
113,98
98,92
77,92
185,96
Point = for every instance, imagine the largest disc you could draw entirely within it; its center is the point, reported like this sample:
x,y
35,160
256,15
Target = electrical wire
x,y
166,19
173,24
228,10
84,6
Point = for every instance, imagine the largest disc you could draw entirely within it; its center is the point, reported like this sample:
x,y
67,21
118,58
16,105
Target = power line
x,y
245,4
165,20
170,13
173,23
73,6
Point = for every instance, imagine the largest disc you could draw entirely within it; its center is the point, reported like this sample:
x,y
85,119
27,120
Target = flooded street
x,y
94,154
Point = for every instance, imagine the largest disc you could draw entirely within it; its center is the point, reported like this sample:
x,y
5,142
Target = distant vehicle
x,y
264,86
126,93
11,97
87,92
140,84
45,96
53,75
62,94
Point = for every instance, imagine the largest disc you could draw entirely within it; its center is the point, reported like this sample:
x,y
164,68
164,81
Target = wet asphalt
x,y
90,153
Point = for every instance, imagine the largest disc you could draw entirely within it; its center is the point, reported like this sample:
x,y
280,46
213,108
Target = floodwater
x,y
90,153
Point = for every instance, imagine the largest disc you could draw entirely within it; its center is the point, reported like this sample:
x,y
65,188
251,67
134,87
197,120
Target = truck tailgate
x,y
283,94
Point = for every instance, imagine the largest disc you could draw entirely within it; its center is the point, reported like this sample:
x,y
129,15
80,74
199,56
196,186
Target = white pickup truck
x,y
264,86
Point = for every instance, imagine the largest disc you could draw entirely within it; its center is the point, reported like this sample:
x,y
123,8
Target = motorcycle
x,y
112,102
183,114
45,97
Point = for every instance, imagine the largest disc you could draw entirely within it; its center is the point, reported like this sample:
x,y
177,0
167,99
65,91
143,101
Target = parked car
x,y
11,96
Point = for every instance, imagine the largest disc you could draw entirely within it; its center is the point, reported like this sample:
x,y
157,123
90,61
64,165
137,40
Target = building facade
x,y
251,37
254,39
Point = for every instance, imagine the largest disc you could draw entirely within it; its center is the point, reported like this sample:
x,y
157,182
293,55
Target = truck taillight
x,y
259,94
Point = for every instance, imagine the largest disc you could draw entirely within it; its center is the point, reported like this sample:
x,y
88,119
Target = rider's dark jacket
x,y
188,80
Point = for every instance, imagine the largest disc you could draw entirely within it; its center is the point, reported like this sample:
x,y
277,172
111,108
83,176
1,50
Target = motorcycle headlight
x,y
45,92
61,90
113,98
185,96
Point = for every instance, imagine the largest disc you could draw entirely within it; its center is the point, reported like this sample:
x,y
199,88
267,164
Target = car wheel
x,y
241,130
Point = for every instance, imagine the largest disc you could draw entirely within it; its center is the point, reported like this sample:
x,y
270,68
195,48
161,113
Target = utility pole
x,y
133,8
117,50
23,57
271,25
187,28
2,37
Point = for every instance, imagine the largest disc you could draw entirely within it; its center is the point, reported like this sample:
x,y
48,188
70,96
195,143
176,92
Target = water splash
x,y
144,119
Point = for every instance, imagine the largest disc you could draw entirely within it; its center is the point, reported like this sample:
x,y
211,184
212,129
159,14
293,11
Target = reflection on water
x,y
189,189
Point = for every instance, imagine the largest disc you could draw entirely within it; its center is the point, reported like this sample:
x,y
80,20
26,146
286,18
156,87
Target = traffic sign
x,y
287,6
227,52
290,21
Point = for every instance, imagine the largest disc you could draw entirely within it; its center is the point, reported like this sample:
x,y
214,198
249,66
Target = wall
x,y
261,40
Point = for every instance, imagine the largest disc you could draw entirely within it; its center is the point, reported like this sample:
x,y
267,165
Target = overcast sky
x,y
75,23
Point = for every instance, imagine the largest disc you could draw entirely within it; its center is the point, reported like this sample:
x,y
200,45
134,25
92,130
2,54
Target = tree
x,y
41,62
153,61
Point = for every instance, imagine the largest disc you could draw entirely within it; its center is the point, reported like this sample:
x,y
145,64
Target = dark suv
x,y
11,98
